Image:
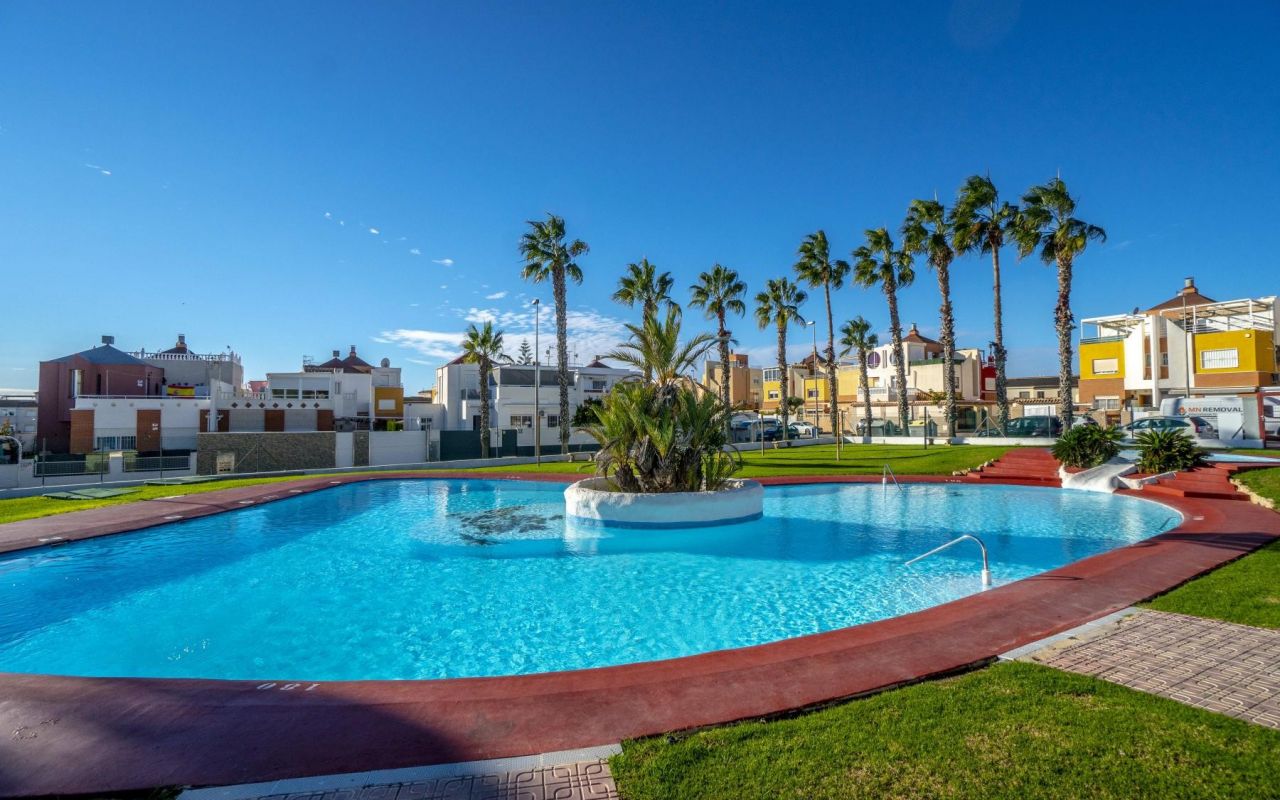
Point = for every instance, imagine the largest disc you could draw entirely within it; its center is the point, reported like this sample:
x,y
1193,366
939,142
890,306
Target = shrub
x,y
1087,446
1167,451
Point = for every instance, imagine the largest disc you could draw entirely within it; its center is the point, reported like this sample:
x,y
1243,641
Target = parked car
x,y
801,430
1195,427
1028,427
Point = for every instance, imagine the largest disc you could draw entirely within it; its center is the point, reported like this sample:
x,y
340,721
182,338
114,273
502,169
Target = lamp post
x,y
814,325
537,386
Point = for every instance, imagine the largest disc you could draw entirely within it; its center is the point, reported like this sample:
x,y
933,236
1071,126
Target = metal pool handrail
x,y
986,570
886,474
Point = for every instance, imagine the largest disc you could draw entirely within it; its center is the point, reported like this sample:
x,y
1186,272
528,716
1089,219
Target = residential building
x,y
1187,346
18,414
746,383
771,384
511,397
191,374
99,371
1037,396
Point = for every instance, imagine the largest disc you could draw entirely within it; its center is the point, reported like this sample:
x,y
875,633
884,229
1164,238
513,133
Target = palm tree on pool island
x,y
877,264
980,223
927,231
719,293
548,256
856,337
483,346
779,305
816,268
1047,223
642,284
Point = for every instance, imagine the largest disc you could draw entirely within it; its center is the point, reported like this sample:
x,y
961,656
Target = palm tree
x,y
547,256
483,346
856,336
878,264
1046,222
719,293
927,231
779,304
979,224
655,347
816,268
642,284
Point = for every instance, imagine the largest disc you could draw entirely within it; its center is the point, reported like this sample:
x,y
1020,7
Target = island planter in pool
x,y
593,500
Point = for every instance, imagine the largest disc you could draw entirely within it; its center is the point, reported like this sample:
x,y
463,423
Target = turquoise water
x,y
434,579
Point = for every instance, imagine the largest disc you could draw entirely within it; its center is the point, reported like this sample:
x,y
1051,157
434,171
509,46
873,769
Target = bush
x,y
1087,446
1167,451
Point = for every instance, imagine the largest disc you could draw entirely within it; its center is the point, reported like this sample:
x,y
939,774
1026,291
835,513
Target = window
x,y
387,404
812,393
1024,393
521,420
553,420
115,443
1164,359
873,360
1106,403
598,385
1220,359
1039,394
1106,366
773,394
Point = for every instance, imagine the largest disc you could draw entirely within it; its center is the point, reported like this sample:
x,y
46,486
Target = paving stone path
x,y
1220,666
585,780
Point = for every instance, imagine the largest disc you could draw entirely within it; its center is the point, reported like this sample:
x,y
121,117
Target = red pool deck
x,y
83,735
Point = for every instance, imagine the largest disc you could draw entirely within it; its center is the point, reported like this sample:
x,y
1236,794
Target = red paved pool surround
x,y
83,735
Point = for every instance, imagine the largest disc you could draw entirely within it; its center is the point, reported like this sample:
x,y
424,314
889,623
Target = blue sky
x,y
288,179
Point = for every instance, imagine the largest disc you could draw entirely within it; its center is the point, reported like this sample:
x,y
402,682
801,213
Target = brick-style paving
x,y
585,780
1220,666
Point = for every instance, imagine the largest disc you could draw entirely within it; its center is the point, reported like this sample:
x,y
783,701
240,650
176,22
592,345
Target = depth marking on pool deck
x,y
581,774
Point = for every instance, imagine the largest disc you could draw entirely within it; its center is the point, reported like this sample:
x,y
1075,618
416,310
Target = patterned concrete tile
x,y
1220,666
586,780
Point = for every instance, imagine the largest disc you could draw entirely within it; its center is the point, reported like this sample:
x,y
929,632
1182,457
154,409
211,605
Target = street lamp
x,y
814,324
537,386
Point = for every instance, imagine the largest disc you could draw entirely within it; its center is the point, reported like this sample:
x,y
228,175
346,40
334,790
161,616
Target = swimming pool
x,y
440,578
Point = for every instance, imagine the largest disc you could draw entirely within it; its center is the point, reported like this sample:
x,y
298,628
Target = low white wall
x,y
20,480
590,499
397,447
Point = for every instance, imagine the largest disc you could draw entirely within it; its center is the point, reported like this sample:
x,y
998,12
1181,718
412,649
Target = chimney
x,y
337,353
182,340
108,339
353,349
914,329
1188,285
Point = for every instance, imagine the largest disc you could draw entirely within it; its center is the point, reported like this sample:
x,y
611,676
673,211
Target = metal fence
x,y
156,463
60,468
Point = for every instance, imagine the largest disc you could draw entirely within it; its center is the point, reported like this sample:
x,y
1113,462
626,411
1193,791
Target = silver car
x,y
1195,427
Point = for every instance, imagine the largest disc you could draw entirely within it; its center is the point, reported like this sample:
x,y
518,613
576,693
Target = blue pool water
x,y
434,579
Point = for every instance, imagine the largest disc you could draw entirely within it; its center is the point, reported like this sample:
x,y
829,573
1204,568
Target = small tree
x,y
585,414
1087,446
1167,451
524,356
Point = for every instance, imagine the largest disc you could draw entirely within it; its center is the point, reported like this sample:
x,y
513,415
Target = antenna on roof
x,y
108,340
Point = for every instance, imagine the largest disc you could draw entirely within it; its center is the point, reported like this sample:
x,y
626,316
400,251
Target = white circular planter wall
x,y
590,499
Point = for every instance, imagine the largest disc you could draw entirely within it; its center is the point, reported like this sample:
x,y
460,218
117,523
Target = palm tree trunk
x,y
784,412
866,389
562,354
484,408
831,368
1064,320
646,311
725,375
900,371
948,336
1002,391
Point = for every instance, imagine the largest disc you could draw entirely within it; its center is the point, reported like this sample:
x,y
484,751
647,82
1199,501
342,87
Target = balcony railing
x,y
234,358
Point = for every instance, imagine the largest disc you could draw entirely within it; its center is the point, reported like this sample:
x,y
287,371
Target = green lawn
x,y
1245,591
1009,731
817,460
857,459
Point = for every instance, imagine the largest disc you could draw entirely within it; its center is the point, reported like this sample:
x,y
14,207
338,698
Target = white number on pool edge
x,y
287,687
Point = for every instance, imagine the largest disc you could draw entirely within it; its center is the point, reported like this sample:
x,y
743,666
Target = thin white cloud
x,y
413,251
495,296
444,262
100,169
431,344
328,215
444,286
374,231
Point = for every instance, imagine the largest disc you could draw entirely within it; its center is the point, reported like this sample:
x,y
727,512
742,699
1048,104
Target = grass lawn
x,y
818,460
857,459
1273,452
1245,591
1009,731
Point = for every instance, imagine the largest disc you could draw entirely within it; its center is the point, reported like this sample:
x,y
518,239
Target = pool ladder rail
x,y
886,474
986,569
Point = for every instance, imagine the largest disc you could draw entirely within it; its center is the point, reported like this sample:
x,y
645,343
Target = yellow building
x,y
1187,346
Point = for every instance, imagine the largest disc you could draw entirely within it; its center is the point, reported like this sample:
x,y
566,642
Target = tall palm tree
x,y
547,256
642,284
1046,222
927,231
816,268
877,264
483,346
856,337
980,222
719,293
779,304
